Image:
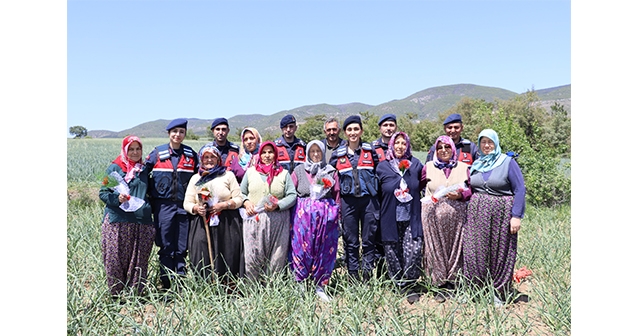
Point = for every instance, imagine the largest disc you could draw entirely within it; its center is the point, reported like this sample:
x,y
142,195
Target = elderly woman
x,y
251,140
212,199
127,236
444,218
268,193
400,225
496,208
315,232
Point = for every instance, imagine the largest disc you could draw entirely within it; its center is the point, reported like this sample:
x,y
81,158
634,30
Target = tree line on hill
x,y
541,137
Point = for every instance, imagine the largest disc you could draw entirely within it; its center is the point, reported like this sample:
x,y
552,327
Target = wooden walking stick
x,y
203,196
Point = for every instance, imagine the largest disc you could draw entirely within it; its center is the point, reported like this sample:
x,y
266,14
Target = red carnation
x,y
326,182
404,165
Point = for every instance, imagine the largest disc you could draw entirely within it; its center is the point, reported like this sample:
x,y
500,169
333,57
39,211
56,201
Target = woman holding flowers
x,y
315,232
490,240
400,225
444,214
268,193
251,140
127,236
212,199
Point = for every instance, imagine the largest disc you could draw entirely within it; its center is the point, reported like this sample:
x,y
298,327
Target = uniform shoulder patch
x,y
278,142
366,146
234,146
341,151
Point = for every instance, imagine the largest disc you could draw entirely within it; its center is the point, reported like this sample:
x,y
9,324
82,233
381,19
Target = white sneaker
x,y
322,295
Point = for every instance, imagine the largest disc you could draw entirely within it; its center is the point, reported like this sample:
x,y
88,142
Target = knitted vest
x,y
436,177
498,182
258,187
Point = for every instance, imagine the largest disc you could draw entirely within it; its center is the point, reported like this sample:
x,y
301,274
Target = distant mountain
x,y
427,104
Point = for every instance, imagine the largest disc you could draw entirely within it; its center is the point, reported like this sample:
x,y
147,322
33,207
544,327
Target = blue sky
x,y
129,62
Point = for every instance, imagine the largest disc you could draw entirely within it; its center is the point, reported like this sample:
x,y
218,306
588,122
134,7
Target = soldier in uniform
x,y
290,151
229,150
466,150
356,165
388,127
171,166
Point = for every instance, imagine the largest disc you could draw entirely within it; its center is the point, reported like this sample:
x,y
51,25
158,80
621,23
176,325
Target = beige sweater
x,y
226,187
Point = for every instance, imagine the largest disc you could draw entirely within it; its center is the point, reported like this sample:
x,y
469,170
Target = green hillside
x,y
427,104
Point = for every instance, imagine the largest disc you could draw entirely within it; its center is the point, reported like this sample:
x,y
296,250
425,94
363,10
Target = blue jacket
x,y
170,172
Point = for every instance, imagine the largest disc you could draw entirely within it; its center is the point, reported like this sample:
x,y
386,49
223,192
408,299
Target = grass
x,y
279,308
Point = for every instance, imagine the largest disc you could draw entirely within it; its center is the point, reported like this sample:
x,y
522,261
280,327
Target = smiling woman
x,y
127,236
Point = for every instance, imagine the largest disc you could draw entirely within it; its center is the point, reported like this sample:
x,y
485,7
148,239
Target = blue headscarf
x,y
207,175
487,162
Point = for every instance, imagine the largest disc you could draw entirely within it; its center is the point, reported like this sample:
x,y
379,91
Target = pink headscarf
x,y
271,170
130,168
454,154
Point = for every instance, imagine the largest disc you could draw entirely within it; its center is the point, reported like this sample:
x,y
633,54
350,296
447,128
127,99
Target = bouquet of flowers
x,y
204,198
321,187
115,182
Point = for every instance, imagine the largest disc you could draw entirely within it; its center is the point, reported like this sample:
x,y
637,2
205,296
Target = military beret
x,y
386,117
350,120
286,120
219,121
452,118
180,122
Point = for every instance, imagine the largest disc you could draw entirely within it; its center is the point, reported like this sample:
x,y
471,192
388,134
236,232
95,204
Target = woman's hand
x,y
123,198
199,210
270,207
218,207
249,207
515,225
454,195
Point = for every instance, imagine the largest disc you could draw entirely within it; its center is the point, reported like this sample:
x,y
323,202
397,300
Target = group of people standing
x,y
253,210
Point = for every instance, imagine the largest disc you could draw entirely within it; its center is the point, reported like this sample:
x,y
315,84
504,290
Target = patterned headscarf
x,y
394,161
391,153
272,169
130,168
245,155
313,167
454,153
207,175
321,167
487,162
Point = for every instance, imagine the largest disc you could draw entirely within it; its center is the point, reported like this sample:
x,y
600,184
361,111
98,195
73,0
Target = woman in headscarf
x,y
269,194
212,198
444,215
251,141
315,231
400,226
490,240
127,236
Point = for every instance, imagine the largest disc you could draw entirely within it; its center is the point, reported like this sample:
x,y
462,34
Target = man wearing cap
x,y
388,126
356,164
290,151
332,140
466,149
171,166
228,150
